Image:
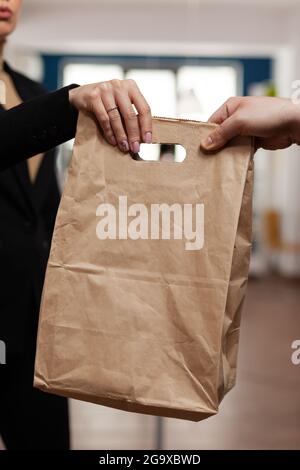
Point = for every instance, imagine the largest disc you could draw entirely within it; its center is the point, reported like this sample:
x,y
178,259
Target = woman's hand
x,y
274,122
112,104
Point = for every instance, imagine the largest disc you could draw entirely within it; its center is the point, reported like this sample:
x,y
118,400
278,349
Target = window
x,y
201,90
192,91
159,88
90,73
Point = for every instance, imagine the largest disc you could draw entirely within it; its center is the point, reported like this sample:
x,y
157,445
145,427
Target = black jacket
x,y
39,124
27,212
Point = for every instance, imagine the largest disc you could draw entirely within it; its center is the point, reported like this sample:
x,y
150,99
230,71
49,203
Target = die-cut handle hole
x,y
163,153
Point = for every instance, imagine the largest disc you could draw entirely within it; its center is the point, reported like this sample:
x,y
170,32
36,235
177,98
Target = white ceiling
x,y
115,26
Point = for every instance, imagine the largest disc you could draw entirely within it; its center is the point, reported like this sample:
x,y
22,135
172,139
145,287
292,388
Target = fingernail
x,y
207,142
113,141
125,146
148,137
136,147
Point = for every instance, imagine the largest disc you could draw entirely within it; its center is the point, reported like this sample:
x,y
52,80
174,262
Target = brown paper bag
x,y
148,325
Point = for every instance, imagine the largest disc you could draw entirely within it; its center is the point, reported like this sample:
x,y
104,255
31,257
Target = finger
x,y
220,115
97,108
130,120
224,111
222,134
115,121
144,112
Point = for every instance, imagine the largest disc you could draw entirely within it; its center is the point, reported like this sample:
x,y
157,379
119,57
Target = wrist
x,y
72,94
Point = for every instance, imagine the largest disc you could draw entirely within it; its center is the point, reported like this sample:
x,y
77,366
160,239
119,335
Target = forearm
x,y
36,126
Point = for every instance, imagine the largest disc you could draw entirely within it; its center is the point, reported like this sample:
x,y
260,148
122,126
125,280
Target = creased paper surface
x,y
145,325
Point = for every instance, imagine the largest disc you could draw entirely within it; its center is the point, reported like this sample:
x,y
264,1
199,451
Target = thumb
x,y
221,135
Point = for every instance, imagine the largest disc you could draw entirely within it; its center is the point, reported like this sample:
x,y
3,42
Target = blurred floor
x,y
262,412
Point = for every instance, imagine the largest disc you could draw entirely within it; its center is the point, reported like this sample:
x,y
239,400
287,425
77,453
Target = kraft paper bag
x,y
138,314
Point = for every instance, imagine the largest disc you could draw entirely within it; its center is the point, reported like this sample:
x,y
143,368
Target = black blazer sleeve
x,y
36,126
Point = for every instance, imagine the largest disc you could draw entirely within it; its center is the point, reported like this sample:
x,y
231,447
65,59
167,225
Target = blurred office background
x,y
189,56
